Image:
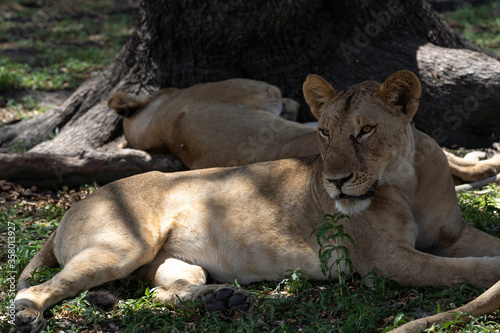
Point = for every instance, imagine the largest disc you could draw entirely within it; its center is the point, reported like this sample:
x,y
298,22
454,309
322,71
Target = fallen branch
x,y
478,184
55,171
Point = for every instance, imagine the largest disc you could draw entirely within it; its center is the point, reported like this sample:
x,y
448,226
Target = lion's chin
x,y
351,207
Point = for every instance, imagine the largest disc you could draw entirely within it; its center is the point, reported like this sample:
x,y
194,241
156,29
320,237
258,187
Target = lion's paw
x,y
229,298
28,319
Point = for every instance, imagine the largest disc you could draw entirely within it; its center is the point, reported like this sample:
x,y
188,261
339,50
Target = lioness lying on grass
x,y
254,223
234,122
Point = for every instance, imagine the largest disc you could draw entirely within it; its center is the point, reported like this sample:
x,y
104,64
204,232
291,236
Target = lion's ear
x,y
317,93
402,89
124,104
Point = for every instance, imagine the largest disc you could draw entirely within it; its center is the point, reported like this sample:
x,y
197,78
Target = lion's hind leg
x,y
181,281
471,171
87,269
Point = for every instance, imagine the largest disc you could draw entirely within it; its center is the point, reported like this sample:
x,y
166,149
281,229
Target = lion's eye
x,y
324,132
365,130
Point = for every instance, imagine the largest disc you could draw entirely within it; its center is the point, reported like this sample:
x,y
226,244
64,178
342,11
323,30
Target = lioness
x,y
254,223
226,123
234,122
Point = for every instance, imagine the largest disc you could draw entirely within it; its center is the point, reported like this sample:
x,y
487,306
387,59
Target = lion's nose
x,y
340,181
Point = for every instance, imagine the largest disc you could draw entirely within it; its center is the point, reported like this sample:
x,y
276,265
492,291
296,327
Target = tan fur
x,y
227,123
255,222
472,171
235,122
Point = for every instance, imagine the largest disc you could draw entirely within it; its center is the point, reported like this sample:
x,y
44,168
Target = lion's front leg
x,y
471,242
412,267
386,240
396,258
180,281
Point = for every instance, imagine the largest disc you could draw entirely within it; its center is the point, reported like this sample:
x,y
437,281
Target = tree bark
x,y
180,43
56,171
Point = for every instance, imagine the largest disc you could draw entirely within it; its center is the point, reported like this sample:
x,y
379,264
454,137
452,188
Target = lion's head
x,y
365,137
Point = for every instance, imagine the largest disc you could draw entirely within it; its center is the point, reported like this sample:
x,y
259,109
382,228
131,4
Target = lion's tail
x,y
124,104
44,258
486,303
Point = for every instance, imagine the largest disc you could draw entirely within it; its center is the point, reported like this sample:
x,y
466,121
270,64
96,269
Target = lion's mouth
x,y
371,191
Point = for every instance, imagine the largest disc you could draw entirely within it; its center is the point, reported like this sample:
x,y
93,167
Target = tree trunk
x,y
180,43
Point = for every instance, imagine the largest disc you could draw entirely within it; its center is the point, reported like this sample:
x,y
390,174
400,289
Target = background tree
x,y
179,43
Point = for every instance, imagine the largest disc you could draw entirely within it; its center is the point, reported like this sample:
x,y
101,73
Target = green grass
x,y
14,75
48,46
479,24
24,108
294,304
53,45
482,210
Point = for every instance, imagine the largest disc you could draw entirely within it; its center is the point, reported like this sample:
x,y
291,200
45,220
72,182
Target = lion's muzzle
x,y
367,195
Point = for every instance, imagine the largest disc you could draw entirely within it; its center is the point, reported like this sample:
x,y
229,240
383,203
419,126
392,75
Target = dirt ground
x,y
34,198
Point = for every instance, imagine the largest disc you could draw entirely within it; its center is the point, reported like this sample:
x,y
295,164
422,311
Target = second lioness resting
x,y
254,223
226,123
234,122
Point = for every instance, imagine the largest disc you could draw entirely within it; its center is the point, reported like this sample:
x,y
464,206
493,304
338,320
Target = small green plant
x,y
13,105
296,283
8,80
29,102
331,237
